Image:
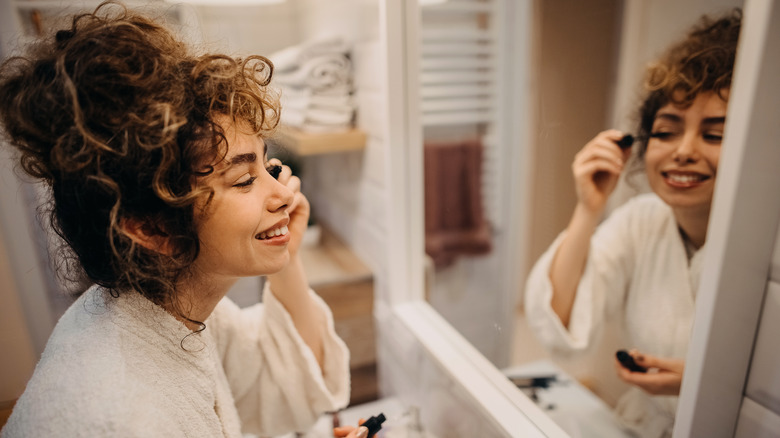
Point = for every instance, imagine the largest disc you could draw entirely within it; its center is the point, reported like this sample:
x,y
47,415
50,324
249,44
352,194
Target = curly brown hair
x,y
702,62
117,117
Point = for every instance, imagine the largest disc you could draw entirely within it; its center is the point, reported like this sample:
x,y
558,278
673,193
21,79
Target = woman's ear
x,y
146,235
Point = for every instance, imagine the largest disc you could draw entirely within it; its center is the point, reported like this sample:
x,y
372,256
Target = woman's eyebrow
x,y
668,117
250,157
713,121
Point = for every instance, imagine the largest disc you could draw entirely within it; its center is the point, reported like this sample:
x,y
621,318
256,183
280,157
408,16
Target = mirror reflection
x,y
627,283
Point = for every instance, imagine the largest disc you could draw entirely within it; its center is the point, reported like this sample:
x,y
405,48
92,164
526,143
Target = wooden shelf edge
x,y
305,143
331,262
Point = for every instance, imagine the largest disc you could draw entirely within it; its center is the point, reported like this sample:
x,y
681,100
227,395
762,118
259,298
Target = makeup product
x,y
373,424
274,171
628,362
626,141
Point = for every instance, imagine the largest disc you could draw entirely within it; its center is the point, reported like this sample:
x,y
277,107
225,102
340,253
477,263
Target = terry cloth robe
x,y
124,367
637,265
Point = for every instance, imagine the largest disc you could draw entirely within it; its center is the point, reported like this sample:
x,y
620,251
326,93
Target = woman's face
x,y
243,231
683,152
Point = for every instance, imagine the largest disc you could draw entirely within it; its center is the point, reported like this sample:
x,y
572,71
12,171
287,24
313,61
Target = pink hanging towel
x,y
455,223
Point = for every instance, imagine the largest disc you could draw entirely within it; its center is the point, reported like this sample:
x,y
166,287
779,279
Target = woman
x,y
643,262
160,187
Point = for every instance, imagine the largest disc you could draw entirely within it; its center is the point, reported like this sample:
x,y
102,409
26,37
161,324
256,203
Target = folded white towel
x,y
323,116
301,99
293,57
319,73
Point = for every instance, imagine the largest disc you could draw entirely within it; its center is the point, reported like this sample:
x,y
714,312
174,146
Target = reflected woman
x,y
160,185
644,260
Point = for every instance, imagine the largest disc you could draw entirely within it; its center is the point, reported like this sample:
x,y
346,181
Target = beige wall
x,y
576,46
15,341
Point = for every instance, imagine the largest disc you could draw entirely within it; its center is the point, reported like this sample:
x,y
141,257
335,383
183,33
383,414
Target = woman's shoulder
x,y
94,375
87,345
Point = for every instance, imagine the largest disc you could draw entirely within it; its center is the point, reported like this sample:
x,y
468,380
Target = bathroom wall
x,y
259,30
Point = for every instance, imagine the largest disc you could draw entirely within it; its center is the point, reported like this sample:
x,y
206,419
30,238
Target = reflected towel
x,y
455,224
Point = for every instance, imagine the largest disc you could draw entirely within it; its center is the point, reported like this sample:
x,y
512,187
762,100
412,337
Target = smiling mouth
x,y
265,235
685,178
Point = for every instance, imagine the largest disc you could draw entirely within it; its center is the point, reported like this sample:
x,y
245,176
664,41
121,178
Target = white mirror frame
x,y
740,242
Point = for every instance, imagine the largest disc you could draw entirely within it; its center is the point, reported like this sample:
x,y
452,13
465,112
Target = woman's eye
x,y
246,183
274,170
661,135
713,137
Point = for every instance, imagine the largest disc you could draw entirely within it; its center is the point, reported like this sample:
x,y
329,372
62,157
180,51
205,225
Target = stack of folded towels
x,y
315,80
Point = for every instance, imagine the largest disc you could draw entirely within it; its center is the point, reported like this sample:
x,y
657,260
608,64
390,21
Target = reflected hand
x,y
596,169
663,377
299,209
351,431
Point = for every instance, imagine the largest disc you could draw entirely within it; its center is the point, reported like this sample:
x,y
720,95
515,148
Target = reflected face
x,y
243,231
683,151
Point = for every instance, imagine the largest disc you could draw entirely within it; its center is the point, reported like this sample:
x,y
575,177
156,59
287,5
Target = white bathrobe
x,y
123,367
637,265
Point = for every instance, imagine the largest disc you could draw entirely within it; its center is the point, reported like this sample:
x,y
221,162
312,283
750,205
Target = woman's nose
x,y
687,150
281,196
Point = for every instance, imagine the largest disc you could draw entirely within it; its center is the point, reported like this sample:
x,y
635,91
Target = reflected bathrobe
x,y
123,367
637,264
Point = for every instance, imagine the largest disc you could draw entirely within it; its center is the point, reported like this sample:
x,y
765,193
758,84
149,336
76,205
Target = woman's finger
x,y
660,383
293,183
343,431
348,431
656,381
599,155
589,169
275,162
648,361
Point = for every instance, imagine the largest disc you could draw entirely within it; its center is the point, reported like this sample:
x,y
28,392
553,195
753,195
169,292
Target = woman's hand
x,y
596,169
298,210
351,431
663,377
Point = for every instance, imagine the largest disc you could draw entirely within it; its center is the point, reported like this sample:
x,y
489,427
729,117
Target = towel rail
x,y
456,63
449,105
460,73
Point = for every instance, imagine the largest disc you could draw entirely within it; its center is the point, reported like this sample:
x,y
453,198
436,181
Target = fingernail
x,y
362,432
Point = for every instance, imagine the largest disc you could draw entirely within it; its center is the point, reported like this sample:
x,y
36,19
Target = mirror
x,y
585,63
